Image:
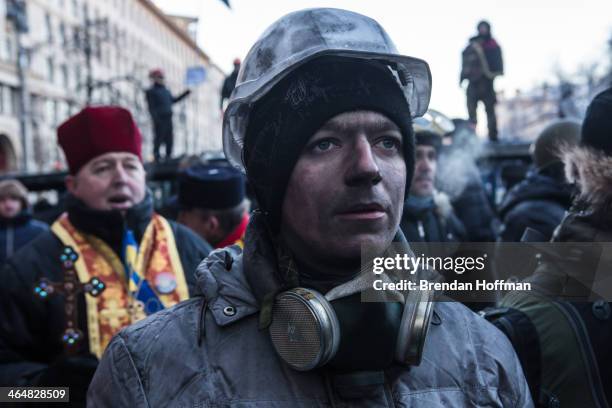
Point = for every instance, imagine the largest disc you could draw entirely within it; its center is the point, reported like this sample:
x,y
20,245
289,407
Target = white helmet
x,y
434,121
302,36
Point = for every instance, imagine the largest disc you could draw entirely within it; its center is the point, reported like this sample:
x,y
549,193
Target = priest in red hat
x,y
107,262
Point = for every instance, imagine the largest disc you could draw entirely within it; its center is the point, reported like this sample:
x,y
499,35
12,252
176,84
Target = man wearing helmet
x,y
321,122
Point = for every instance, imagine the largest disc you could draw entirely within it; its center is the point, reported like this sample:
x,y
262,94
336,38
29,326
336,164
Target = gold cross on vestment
x,y
113,314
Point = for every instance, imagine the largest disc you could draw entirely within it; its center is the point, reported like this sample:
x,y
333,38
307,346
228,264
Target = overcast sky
x,y
537,36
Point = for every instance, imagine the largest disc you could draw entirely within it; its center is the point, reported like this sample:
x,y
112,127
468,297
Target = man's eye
x,y
390,143
102,169
324,145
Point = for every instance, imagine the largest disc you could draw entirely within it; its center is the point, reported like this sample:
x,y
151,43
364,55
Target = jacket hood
x,y
537,186
222,282
591,170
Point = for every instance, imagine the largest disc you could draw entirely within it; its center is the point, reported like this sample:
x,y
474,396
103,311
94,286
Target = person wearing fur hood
x,y
17,227
568,305
428,214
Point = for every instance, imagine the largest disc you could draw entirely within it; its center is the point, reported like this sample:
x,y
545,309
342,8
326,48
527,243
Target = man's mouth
x,y
120,201
363,211
423,179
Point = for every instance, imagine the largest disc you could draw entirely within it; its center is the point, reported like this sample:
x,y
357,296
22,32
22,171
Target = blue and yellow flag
x,y
138,286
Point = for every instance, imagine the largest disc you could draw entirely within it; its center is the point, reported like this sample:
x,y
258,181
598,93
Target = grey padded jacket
x,y
195,355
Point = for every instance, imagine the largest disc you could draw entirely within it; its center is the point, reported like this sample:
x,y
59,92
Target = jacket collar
x,y
109,225
22,218
223,284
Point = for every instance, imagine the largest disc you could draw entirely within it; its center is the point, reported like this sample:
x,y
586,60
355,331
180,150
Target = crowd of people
x,y
245,288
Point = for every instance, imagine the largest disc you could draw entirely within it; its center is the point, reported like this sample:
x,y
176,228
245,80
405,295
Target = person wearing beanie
x,y
569,307
212,202
320,120
482,62
159,102
428,214
145,262
540,201
17,227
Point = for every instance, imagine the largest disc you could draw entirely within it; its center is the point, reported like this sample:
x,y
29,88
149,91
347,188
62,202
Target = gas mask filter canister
x,y
306,329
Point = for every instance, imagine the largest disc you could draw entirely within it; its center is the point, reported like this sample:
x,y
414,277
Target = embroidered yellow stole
x,y
115,308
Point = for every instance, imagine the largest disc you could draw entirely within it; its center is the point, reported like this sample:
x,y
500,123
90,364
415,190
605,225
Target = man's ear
x,y
71,183
212,224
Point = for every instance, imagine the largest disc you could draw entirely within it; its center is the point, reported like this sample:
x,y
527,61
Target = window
x,y
78,76
2,88
64,111
75,8
65,77
49,26
63,36
14,100
10,49
49,111
50,70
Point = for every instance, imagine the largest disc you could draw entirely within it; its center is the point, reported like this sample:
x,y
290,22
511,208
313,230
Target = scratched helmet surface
x,y
302,36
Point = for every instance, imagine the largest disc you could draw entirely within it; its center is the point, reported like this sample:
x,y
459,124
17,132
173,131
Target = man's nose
x,y
423,166
363,167
120,174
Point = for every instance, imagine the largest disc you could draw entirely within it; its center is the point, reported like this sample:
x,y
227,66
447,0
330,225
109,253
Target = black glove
x,y
74,372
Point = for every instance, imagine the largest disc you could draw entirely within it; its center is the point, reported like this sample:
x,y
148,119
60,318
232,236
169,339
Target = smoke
x,y
457,163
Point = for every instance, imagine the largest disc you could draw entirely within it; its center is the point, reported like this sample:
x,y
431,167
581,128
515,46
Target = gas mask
x,y
338,330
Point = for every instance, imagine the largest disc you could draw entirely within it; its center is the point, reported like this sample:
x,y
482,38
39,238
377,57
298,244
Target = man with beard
x,y
136,262
328,147
481,63
428,214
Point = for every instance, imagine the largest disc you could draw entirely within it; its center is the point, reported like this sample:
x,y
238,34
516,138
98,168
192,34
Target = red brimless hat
x,y
98,130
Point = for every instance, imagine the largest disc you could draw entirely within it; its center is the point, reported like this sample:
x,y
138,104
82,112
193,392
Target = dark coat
x,y
474,210
225,360
539,202
18,231
228,85
435,223
30,329
575,334
160,101
482,58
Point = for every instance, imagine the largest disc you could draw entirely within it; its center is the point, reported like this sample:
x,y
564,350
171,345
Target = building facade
x,y
100,52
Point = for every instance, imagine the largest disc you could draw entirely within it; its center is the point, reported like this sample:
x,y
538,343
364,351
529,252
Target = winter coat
x,y
575,336
538,202
473,209
18,231
208,351
482,58
228,85
30,329
434,223
160,101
